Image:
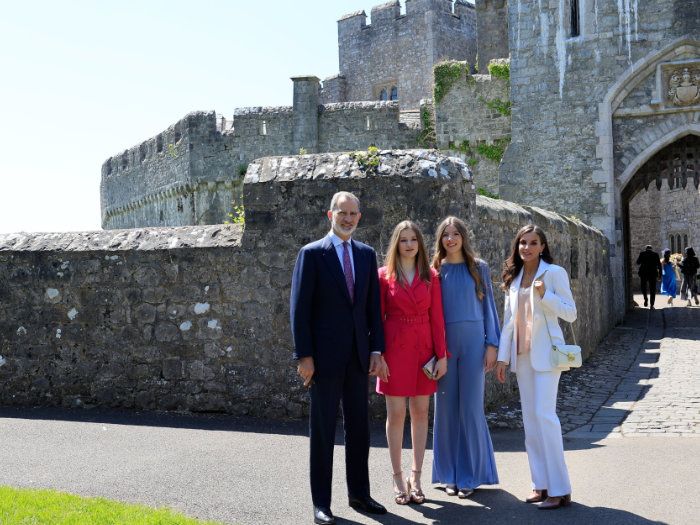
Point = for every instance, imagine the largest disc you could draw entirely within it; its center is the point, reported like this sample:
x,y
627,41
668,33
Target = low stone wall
x,y
196,318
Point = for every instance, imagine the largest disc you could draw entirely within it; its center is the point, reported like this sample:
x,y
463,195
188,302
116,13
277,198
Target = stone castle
x,y
191,172
594,119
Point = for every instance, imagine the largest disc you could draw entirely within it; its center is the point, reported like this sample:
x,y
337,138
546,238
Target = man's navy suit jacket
x,y
326,324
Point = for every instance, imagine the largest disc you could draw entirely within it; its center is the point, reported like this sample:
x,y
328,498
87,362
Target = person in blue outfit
x,y
462,450
668,277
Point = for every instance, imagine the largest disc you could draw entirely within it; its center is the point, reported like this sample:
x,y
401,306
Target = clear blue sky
x,y
83,80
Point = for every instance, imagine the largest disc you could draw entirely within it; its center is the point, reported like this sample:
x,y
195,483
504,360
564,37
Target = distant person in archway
x,y
649,272
689,268
668,277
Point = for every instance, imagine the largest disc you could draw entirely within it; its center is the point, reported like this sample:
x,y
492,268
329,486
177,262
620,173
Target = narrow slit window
x,y
382,95
394,93
673,245
575,18
368,123
263,128
685,242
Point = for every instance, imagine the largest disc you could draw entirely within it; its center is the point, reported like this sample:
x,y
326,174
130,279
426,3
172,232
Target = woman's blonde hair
x,y
467,251
393,267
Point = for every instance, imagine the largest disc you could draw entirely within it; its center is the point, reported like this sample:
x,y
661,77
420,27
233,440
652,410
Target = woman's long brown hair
x,y
513,264
392,255
467,251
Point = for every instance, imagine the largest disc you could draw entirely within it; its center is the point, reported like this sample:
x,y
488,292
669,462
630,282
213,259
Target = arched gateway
x,y
648,140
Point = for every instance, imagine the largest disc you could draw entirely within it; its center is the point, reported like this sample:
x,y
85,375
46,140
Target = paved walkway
x,y
643,381
647,373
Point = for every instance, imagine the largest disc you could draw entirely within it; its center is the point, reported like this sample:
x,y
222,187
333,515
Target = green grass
x,y
49,507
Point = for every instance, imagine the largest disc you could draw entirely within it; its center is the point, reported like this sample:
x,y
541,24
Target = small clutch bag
x,y
429,367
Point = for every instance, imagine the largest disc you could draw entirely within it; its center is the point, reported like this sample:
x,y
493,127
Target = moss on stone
x,y
496,104
445,75
500,68
494,152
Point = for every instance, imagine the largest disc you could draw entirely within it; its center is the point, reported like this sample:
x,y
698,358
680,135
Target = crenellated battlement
x,y
166,143
389,12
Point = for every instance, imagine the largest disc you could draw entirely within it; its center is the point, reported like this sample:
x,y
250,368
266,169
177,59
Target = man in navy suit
x,y
338,339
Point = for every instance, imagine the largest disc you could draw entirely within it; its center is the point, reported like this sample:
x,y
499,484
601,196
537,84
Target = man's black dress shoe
x,y
323,516
367,505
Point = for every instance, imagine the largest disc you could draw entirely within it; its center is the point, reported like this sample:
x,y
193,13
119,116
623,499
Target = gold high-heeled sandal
x,y
416,494
401,497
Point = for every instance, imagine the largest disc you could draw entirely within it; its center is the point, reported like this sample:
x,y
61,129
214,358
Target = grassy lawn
x,y
48,507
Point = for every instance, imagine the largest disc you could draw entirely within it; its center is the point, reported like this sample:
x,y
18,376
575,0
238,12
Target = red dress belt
x,y
409,319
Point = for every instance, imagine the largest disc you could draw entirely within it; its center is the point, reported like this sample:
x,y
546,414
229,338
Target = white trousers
x,y
543,440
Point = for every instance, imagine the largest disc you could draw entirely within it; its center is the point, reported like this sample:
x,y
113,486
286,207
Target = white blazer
x,y
556,302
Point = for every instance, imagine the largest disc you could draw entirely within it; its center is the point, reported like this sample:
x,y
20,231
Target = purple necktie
x,y
347,269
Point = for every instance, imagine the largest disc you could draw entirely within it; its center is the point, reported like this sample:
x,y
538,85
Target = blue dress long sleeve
x,y
462,449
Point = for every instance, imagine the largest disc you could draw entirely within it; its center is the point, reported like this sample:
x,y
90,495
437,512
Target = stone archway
x,y
637,120
660,199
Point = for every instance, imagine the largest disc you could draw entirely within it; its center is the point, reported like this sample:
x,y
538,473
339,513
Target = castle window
x,y
394,93
368,123
685,242
575,18
263,128
673,244
382,95
678,243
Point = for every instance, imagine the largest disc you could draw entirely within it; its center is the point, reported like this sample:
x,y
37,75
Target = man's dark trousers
x,y
649,282
350,384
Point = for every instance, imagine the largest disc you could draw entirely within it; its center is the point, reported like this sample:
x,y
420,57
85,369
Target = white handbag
x,y
564,357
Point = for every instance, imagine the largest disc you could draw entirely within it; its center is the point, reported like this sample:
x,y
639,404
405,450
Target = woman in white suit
x,y
537,294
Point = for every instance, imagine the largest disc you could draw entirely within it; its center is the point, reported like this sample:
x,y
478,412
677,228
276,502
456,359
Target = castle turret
x,y
305,113
491,31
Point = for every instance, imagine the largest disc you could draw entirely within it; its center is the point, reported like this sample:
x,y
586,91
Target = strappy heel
x,y
401,497
416,494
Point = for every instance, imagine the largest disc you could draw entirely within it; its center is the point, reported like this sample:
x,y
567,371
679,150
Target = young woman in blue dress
x,y
463,456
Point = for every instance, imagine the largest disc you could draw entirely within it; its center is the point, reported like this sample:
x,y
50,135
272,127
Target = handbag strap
x,y
546,324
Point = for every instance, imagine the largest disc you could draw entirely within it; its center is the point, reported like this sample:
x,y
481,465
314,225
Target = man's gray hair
x,y
343,195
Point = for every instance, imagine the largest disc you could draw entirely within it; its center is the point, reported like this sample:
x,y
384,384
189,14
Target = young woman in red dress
x,y
414,331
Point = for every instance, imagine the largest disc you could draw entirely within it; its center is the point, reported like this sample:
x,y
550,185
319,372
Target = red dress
x,y
414,331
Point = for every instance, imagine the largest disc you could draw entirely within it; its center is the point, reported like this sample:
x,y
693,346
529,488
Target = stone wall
x,y
196,318
192,173
400,50
473,113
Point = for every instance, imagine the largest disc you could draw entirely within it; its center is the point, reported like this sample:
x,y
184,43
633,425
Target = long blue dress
x,y
462,447
668,280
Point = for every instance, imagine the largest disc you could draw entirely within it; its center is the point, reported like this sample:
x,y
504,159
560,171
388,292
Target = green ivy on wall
x,y
496,104
427,137
445,75
494,152
500,69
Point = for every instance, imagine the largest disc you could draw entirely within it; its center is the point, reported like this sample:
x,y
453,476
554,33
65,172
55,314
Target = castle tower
x,y
491,31
305,113
392,57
